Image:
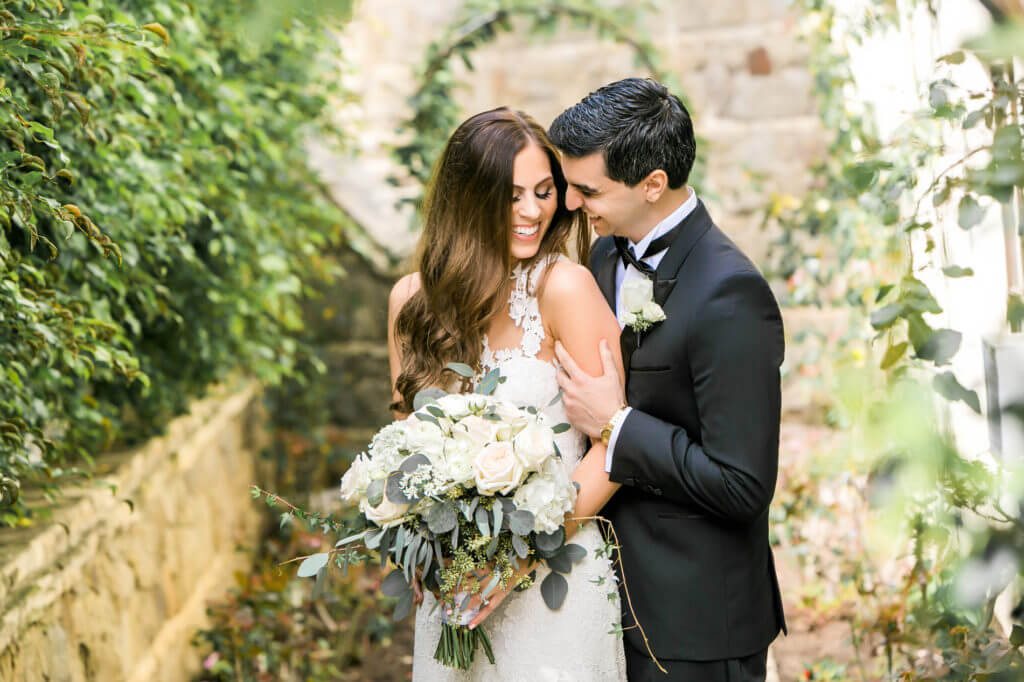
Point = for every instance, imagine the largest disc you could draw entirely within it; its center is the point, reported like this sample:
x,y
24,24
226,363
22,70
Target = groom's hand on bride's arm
x,y
590,402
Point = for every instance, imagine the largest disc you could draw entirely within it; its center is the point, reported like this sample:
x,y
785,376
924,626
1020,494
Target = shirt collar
x,y
668,223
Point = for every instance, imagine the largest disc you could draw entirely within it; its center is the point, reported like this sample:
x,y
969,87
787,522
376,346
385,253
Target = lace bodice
x,y
524,310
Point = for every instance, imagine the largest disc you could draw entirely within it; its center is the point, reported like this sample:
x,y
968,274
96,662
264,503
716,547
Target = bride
x,y
494,289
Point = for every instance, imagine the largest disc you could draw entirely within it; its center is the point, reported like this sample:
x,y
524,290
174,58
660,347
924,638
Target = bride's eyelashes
x,y
541,196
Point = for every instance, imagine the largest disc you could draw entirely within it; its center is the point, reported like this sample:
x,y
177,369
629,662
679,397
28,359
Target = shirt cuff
x,y
614,437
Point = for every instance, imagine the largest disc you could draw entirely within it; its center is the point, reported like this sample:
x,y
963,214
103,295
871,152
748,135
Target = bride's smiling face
x,y
534,200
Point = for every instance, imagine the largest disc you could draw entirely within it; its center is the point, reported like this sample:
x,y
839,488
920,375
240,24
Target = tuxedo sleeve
x,y
728,470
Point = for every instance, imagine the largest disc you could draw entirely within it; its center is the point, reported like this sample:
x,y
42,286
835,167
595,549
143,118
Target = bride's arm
x,y
579,318
400,294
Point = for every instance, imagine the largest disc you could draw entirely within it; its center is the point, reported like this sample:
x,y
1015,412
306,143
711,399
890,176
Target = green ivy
x,y
160,224
851,243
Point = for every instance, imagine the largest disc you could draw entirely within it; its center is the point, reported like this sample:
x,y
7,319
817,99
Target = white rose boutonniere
x,y
639,309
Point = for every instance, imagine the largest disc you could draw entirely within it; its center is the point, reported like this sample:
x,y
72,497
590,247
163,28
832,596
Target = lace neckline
x,y
524,310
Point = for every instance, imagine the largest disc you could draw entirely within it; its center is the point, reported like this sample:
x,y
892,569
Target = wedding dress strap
x,y
524,310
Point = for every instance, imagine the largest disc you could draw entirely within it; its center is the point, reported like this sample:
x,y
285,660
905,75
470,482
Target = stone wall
x,y
739,62
114,586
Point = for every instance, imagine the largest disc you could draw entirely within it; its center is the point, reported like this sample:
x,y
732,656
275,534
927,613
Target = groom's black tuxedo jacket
x,y
698,454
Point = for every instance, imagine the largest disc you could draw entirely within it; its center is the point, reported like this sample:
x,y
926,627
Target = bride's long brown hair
x,y
464,253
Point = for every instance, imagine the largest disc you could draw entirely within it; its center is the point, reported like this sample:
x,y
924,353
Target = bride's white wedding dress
x,y
531,642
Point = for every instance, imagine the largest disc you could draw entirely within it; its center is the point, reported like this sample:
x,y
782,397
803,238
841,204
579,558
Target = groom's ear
x,y
654,185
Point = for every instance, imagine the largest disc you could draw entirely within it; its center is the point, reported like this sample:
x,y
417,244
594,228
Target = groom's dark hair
x,y
638,125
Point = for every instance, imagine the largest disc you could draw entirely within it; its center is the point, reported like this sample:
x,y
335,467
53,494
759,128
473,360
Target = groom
x,y
694,439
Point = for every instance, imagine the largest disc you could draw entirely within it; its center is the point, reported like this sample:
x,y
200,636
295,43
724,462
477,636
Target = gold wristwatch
x,y
609,428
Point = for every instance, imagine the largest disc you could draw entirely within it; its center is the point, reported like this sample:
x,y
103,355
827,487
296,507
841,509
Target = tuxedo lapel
x,y
605,275
606,281
627,344
691,229
662,288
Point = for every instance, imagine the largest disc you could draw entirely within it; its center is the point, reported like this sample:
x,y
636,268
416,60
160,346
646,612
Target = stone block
x,y
570,71
694,15
759,62
746,161
786,92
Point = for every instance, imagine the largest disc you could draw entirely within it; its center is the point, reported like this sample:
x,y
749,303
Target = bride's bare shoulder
x,y
403,291
565,281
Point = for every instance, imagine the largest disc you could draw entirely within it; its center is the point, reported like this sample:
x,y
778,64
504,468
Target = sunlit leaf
x,y
941,346
312,565
957,271
948,387
970,212
159,30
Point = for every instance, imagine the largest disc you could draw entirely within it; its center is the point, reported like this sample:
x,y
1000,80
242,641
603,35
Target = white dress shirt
x,y
625,273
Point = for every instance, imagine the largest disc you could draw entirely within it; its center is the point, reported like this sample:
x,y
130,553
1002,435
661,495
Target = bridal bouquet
x,y
466,486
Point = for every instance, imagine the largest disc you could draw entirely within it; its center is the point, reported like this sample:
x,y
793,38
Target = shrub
x,y
159,221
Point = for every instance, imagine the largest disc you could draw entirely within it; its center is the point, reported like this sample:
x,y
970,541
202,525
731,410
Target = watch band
x,y
613,423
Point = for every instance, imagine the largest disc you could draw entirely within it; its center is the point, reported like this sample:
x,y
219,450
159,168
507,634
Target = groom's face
x,y
612,207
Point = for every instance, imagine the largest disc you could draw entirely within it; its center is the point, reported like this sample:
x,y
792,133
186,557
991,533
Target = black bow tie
x,y
628,255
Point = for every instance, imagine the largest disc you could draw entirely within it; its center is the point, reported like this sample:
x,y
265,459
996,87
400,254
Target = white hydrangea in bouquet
x,y
467,485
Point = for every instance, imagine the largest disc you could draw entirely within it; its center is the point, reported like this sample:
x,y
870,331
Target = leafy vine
x,y
867,238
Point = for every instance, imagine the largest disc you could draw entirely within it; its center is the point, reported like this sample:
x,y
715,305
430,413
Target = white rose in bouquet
x,y
511,415
548,495
513,420
497,469
476,430
458,460
424,437
637,292
355,480
385,514
534,444
455,405
387,442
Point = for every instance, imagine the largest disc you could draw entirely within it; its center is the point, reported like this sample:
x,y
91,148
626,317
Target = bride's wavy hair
x,y
464,253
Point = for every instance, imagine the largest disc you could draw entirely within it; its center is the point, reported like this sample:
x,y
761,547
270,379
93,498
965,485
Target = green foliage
x,y
159,222
435,112
947,527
